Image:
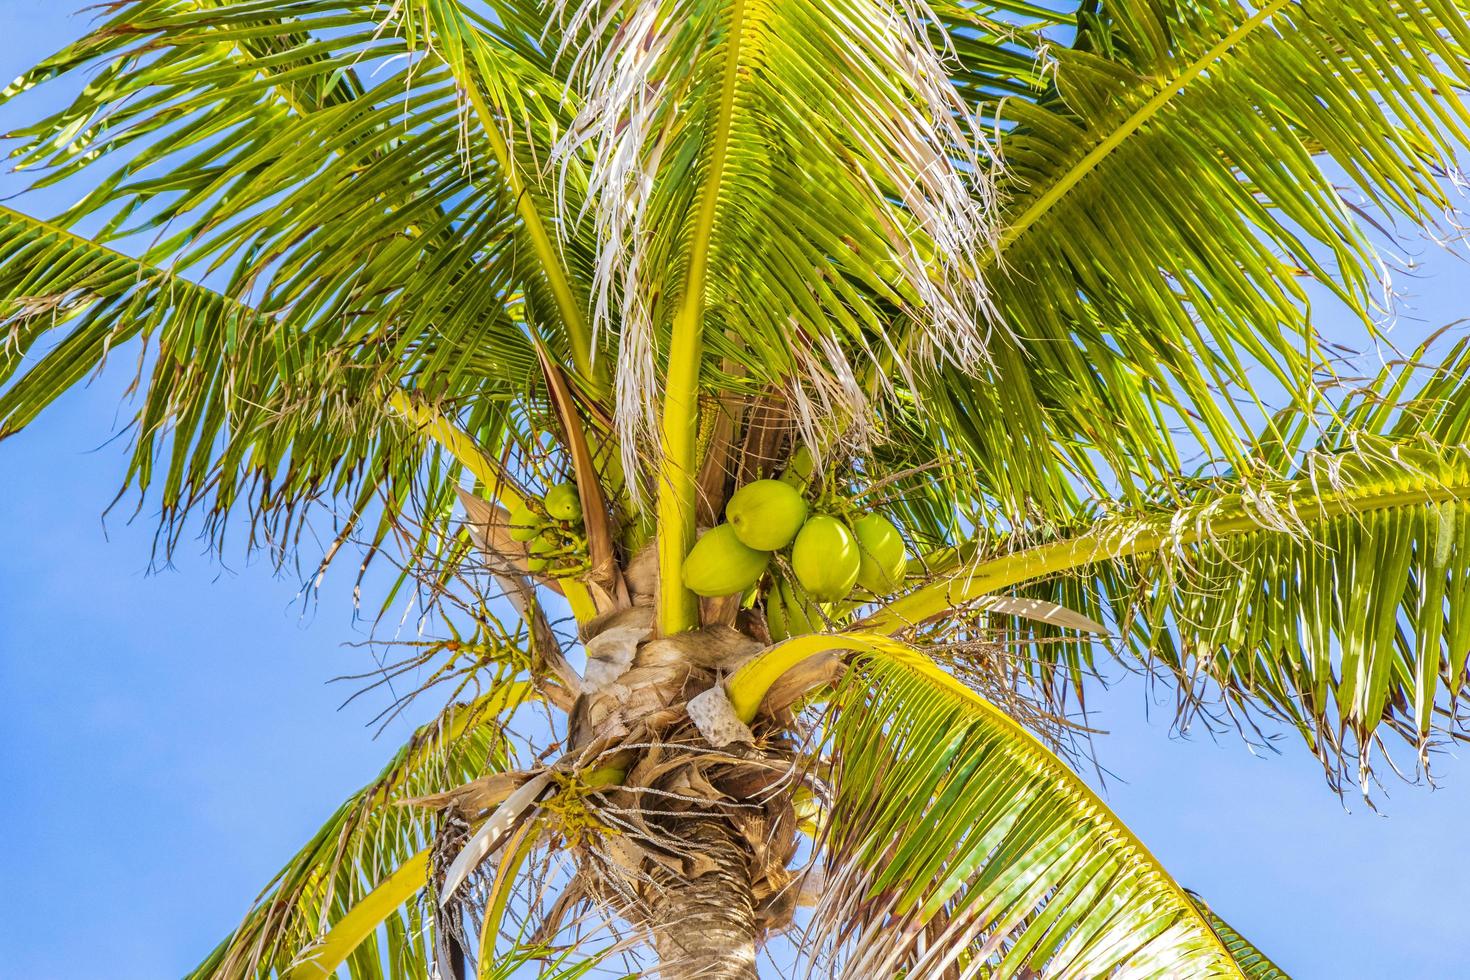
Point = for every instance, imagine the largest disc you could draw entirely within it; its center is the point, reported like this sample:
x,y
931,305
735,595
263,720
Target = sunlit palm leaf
x,y
719,132
231,411
1163,209
956,839
350,219
366,842
1336,599
1252,962
51,277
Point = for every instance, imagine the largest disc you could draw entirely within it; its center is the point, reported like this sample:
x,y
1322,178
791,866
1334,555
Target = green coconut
x,y
542,550
884,558
825,558
719,564
562,502
766,514
776,615
801,615
799,468
524,523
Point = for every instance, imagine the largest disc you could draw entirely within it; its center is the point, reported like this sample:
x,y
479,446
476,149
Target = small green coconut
x,y
884,558
562,502
826,559
543,549
524,523
799,468
719,564
766,514
789,615
802,616
776,615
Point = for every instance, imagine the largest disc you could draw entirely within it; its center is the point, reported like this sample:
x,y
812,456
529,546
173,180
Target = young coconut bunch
x,y
721,326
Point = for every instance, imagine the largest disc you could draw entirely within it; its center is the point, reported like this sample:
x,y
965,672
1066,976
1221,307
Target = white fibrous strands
x,y
614,127
890,129
827,401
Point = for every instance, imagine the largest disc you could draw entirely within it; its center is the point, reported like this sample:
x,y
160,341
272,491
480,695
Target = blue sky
x,y
167,740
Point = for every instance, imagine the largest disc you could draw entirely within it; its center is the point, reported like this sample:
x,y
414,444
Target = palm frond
x,y
745,157
1170,222
1253,963
362,921
236,410
713,128
51,277
490,77
368,842
956,842
1335,600
378,255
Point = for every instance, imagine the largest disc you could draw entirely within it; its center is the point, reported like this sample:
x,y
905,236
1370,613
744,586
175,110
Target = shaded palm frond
x,y
236,410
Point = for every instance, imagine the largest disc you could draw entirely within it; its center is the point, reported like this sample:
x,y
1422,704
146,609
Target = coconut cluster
x,y
830,557
551,529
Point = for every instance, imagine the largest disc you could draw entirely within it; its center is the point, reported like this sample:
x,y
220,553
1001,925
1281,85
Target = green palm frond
x,y
353,936
1336,599
368,841
491,77
956,840
713,130
360,210
50,277
234,409
365,241
995,52
1170,218
1254,964
748,157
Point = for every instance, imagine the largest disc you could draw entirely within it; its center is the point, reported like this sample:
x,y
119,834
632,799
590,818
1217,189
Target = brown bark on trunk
x,y
704,927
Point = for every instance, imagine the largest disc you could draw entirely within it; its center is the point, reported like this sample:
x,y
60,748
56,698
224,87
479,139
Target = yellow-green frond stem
x,y
400,886
678,610
747,687
500,487
454,38
1126,538
458,444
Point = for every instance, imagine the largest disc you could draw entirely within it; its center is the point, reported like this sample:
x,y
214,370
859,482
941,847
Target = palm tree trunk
x,y
704,926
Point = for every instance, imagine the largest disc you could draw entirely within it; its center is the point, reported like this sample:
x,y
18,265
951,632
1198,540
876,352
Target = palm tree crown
x,y
522,291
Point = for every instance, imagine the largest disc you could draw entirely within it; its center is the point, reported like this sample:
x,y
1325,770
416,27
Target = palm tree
x,y
1031,282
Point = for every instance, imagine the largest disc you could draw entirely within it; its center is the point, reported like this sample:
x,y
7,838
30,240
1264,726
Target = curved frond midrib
x,y
1135,121
679,423
1125,537
934,712
465,51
